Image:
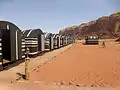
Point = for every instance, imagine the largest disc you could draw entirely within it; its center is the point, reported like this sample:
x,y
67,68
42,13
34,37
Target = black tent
x,y
34,40
61,41
68,40
56,40
65,40
10,38
1,49
48,41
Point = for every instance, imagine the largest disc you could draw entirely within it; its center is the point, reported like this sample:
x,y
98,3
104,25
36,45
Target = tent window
x,y
8,27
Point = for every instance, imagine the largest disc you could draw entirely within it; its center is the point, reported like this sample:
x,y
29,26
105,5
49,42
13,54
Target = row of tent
x,y
13,42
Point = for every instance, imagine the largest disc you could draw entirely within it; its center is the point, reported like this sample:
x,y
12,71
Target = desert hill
x,y
105,26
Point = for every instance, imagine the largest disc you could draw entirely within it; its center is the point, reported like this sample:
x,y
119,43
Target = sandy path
x,y
10,75
83,64
40,86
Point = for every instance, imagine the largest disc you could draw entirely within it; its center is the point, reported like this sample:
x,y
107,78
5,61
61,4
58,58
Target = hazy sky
x,y
53,15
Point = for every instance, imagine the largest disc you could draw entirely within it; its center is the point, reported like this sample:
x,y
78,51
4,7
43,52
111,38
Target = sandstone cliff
x,y
106,26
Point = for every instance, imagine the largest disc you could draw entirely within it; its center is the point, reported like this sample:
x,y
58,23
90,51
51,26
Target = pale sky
x,y
53,15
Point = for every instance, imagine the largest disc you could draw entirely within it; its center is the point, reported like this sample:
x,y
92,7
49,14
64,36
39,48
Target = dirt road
x,y
83,64
40,86
87,65
11,75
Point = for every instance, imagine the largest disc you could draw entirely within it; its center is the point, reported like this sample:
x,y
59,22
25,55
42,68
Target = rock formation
x,y
104,27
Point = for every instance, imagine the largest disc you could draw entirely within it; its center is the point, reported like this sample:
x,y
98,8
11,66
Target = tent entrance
x,y
6,49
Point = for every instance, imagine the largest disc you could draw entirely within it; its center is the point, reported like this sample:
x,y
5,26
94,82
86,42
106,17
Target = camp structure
x,y
56,41
48,41
64,40
61,41
10,42
67,40
71,40
34,41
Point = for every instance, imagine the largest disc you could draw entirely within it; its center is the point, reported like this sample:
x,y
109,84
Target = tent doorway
x,y
6,49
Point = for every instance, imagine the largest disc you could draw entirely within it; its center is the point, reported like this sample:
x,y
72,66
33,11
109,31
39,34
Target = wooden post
x,y
3,64
27,61
103,44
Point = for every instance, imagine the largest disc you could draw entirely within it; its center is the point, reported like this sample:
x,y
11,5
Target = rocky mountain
x,y
105,27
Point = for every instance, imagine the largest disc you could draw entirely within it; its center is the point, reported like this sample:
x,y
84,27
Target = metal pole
x,y
27,61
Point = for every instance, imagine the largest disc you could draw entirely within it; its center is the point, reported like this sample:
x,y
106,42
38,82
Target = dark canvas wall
x,y
10,32
48,41
34,34
1,55
6,44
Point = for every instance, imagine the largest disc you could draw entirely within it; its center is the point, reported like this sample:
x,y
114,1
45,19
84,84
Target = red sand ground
x,y
83,64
